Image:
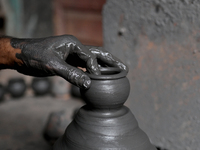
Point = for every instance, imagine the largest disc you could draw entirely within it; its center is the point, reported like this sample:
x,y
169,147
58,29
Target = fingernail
x,y
86,84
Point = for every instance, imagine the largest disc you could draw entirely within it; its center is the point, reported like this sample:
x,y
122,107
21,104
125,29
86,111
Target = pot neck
x,y
108,73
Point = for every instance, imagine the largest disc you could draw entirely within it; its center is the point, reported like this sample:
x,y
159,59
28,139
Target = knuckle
x,y
72,37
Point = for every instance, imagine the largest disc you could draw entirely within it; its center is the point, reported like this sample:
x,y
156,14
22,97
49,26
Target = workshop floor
x,y
22,121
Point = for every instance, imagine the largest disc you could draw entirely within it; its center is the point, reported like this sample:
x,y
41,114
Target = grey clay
x,y
104,122
60,55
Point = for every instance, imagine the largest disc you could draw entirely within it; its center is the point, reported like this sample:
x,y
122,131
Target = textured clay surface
x,y
159,40
103,121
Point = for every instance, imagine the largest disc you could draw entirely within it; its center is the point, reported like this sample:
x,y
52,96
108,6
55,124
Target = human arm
x,y
56,55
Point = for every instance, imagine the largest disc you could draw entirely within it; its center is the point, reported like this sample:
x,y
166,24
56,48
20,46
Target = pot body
x,y
107,94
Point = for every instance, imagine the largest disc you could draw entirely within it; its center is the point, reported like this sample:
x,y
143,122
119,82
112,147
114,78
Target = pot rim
x,y
108,73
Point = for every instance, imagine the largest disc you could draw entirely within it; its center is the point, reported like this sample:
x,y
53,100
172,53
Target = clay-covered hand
x,y
60,55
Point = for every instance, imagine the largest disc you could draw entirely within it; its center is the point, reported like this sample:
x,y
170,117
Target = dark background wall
x,y
159,40
38,18
26,19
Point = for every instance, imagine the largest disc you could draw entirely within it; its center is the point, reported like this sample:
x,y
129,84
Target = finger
x,y
92,66
80,50
108,58
71,74
90,59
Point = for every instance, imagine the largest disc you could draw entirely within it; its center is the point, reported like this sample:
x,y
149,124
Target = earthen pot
x,y
2,92
16,87
41,86
108,90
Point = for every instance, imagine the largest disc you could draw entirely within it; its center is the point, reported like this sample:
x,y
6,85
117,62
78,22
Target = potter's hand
x,y
60,55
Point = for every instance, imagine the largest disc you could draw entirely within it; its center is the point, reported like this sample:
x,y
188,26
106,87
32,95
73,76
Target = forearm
x,y
8,58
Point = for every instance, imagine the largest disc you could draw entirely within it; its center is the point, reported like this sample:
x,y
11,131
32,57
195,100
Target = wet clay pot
x,y
109,90
41,86
104,122
16,87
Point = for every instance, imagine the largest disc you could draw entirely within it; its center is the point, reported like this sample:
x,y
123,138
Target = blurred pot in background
x,y
16,87
2,92
41,86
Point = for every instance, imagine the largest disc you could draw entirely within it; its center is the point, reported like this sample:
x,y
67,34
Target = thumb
x,y
72,74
